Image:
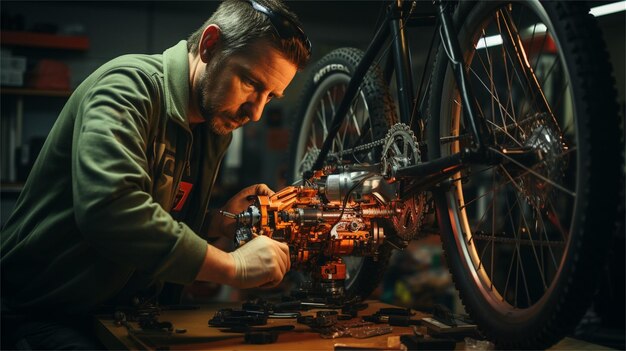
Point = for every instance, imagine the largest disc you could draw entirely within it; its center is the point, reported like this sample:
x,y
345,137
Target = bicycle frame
x,y
506,166
429,172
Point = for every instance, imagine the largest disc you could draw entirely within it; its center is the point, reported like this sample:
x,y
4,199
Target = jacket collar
x,y
176,73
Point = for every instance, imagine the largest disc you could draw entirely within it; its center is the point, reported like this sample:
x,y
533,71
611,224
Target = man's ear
x,y
208,41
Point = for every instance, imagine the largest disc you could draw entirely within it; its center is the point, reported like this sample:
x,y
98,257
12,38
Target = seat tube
x,y
402,61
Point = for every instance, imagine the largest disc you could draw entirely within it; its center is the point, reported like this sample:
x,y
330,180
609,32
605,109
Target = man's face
x,y
233,91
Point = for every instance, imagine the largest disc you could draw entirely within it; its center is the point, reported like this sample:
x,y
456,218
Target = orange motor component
x,y
329,216
300,216
333,270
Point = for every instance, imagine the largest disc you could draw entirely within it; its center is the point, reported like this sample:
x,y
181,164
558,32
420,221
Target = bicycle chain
x,y
370,145
359,148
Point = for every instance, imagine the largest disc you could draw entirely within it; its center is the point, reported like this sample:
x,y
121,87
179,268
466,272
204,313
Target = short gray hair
x,y
241,25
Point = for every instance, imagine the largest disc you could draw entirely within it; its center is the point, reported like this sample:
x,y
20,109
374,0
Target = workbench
x,y
198,335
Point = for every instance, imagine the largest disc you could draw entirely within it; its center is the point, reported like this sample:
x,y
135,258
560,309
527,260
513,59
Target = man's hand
x,y
261,262
223,226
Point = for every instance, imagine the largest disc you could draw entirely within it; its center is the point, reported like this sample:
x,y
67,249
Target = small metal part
x,y
395,311
414,342
443,314
352,308
342,329
228,214
326,318
284,315
120,318
246,222
229,318
260,338
242,236
307,320
249,217
322,319
369,331
248,329
393,316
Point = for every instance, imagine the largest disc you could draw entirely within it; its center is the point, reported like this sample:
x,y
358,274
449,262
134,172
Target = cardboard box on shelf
x,y
11,77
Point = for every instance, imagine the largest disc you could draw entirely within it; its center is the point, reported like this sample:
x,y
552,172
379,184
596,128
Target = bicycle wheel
x,y
368,119
524,240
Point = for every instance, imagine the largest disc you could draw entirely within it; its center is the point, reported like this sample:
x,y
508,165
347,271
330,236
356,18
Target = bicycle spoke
x,y
531,83
532,245
549,181
483,195
496,99
547,239
482,254
356,124
493,229
489,73
556,222
482,219
509,80
504,131
519,258
508,278
538,214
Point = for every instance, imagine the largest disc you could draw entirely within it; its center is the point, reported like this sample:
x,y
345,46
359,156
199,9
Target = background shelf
x,y
44,40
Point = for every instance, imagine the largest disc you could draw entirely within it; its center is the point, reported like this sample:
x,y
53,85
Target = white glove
x,y
260,262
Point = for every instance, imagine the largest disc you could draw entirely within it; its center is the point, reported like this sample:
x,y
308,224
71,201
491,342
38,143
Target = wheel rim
x,y
513,225
317,120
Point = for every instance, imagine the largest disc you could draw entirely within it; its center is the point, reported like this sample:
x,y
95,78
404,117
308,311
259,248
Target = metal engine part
x,y
340,210
324,218
357,184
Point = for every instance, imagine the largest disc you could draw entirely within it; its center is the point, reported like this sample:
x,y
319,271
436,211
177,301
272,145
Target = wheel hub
x,y
545,141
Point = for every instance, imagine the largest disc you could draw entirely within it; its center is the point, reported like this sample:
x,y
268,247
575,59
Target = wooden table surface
x,y
199,336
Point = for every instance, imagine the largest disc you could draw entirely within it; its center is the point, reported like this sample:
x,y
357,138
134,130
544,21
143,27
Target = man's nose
x,y
255,105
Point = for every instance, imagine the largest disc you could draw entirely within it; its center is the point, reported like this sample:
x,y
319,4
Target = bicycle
x,y
519,150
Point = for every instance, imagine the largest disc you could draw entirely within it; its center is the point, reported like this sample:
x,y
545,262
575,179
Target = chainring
x,y
401,150
409,217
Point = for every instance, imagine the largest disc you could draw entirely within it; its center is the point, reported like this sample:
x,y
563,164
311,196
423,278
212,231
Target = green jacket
x,y
95,209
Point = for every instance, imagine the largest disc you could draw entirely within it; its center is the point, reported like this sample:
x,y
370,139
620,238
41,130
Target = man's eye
x,y
247,81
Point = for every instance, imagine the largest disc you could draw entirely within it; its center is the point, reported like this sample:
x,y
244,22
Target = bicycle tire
x,y
586,161
328,79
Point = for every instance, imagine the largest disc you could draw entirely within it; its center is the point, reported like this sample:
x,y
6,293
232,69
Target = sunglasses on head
x,y
285,27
